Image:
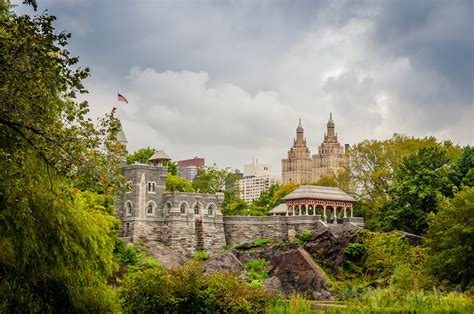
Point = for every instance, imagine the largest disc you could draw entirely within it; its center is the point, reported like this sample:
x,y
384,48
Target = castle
x,y
300,167
187,222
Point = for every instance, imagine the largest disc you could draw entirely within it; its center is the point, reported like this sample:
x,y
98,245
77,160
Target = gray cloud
x,y
228,80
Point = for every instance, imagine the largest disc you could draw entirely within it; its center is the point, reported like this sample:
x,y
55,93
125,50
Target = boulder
x,y
273,284
298,273
261,252
330,247
164,255
225,262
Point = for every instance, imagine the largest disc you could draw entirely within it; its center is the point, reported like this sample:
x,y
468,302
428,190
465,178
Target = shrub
x,y
304,238
200,256
257,269
188,290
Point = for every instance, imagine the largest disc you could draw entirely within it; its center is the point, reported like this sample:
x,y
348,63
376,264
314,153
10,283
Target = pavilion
x,y
309,199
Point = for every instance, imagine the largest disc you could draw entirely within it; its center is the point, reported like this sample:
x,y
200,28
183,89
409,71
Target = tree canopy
x,y
59,172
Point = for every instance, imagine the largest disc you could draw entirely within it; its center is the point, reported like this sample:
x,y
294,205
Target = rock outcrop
x,y
225,262
291,269
298,273
165,256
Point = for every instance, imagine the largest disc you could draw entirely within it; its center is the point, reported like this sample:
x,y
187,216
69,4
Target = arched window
x,y
149,209
210,209
197,208
183,207
128,208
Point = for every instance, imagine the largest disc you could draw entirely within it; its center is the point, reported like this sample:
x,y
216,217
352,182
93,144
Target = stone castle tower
x,y
300,167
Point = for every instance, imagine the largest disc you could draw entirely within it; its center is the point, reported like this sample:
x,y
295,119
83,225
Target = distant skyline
x,y
228,80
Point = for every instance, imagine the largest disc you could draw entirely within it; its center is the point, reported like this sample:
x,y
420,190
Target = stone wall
x,y
241,229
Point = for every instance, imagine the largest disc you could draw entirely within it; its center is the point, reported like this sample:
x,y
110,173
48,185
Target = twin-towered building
x,y
300,167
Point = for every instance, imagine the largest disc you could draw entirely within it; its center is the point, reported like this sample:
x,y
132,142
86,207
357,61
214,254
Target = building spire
x,y
330,117
299,124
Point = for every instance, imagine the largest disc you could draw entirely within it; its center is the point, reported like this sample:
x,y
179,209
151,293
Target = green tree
x,y
237,207
423,177
212,179
280,193
177,184
450,237
56,242
465,166
326,181
373,164
141,156
172,167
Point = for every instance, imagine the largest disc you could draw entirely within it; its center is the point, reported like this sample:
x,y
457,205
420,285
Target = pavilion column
x,y
324,213
314,210
352,212
306,210
299,210
293,207
335,215
345,212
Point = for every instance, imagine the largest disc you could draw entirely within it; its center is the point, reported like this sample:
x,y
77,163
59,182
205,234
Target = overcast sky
x,y
228,80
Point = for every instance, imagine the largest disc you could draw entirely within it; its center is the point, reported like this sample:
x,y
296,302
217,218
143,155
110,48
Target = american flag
x,y
121,98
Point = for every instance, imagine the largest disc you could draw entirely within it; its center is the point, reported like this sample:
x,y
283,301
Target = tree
x,y
212,179
422,178
237,207
56,241
177,184
450,237
465,166
141,156
280,193
326,181
373,164
172,167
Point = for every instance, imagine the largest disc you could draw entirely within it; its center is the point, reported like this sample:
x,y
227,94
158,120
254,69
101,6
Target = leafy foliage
x,y
422,178
450,237
187,290
212,179
200,256
257,269
141,156
59,172
177,184
304,238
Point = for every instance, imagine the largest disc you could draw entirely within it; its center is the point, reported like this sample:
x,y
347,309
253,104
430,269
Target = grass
x,y
392,300
200,256
295,304
260,242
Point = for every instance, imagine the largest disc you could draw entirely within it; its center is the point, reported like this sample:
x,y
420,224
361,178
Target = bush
x,y
257,269
304,238
200,256
187,290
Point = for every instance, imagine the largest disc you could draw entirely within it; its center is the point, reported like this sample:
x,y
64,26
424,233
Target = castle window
x,y
197,208
150,208
128,208
151,187
127,229
183,207
210,209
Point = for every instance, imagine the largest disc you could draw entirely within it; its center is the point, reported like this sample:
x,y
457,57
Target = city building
x,y
300,167
189,169
257,179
